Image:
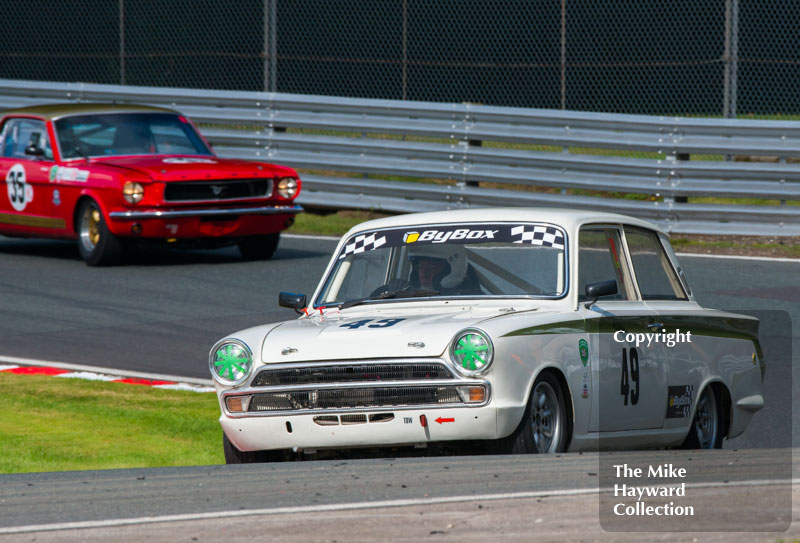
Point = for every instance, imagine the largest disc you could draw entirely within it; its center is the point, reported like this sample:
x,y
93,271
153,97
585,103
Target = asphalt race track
x,y
472,499
162,311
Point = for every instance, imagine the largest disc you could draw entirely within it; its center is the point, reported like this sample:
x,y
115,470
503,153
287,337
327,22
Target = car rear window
x,y
654,272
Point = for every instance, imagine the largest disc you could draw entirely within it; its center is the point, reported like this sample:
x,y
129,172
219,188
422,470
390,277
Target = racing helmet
x,y
454,256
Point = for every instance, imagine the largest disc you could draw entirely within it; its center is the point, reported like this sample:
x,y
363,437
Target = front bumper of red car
x,y
202,222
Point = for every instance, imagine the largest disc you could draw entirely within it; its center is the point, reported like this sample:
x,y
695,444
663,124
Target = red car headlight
x,y
287,187
132,192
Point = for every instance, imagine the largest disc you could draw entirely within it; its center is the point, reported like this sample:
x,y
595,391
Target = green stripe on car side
x,y
600,325
569,327
709,326
698,325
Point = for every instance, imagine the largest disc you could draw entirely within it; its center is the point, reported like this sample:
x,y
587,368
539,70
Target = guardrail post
x,y
678,158
782,160
472,143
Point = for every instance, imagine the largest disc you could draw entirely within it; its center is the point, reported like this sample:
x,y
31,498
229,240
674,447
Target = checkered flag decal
x,y
546,236
362,243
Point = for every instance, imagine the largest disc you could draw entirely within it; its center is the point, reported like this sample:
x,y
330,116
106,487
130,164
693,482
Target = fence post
x,y
726,63
121,42
731,58
563,54
270,46
734,56
405,51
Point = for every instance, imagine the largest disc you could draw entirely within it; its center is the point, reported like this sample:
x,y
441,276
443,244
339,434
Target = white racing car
x,y
533,330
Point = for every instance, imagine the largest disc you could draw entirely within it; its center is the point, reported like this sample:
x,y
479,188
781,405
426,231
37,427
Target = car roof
x,y
570,219
55,111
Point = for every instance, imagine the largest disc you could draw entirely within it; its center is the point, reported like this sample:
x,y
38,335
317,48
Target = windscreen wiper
x,y
389,294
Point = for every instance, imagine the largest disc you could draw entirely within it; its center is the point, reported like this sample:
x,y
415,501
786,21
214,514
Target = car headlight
x,y
230,362
287,187
132,192
471,352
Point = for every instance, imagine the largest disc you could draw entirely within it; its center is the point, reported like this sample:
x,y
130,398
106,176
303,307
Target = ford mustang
x,y
108,175
525,330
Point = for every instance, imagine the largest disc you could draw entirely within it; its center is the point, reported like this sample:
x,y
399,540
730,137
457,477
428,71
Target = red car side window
x,y
21,133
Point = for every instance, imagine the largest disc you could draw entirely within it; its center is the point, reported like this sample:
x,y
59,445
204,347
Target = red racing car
x,y
108,175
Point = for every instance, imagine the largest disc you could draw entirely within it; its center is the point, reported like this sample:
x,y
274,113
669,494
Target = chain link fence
x,y
679,57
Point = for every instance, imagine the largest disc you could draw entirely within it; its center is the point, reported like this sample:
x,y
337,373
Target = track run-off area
x,y
162,310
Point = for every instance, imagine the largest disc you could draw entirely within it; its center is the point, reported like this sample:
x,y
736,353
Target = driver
x,y
441,267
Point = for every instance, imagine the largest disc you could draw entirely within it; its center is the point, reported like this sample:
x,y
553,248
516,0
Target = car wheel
x,y
235,456
545,426
706,429
97,245
259,247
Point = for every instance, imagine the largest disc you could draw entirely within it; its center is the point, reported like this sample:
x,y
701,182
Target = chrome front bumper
x,y
178,213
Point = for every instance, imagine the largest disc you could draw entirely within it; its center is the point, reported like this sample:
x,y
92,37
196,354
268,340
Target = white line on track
x,y
107,371
351,506
737,257
311,236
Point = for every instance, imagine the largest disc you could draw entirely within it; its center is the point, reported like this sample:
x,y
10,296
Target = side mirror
x,y
292,301
600,289
34,150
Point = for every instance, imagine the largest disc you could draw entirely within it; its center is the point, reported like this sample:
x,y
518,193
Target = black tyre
x,y
235,456
546,427
96,244
259,247
706,430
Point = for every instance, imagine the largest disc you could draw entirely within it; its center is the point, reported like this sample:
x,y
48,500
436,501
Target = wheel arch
x,y
561,379
86,195
723,397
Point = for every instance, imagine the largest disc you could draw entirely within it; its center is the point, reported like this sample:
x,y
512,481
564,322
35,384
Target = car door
x,y
664,290
26,160
628,380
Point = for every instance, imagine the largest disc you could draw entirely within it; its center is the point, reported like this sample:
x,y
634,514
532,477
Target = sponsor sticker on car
x,y
679,401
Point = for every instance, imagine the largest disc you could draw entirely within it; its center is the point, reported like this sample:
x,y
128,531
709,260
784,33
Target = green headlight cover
x,y
231,362
472,352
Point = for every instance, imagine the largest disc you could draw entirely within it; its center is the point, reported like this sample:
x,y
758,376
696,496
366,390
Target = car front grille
x,y
215,191
355,398
353,373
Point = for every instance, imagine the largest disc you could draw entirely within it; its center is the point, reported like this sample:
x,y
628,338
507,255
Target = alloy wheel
x,y
546,418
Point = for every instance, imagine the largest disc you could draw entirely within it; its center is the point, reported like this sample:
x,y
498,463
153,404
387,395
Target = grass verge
x,y
328,223
52,424
775,247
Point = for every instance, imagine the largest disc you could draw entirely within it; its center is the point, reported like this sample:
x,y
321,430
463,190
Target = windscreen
x,y
125,134
464,260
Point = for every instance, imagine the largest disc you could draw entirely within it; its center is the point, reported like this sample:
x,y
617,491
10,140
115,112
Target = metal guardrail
x,y
351,152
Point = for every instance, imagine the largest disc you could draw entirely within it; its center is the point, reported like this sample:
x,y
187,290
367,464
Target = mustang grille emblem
x,y
218,189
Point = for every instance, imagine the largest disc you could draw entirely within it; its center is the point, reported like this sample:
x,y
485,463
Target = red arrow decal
x,y
441,420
